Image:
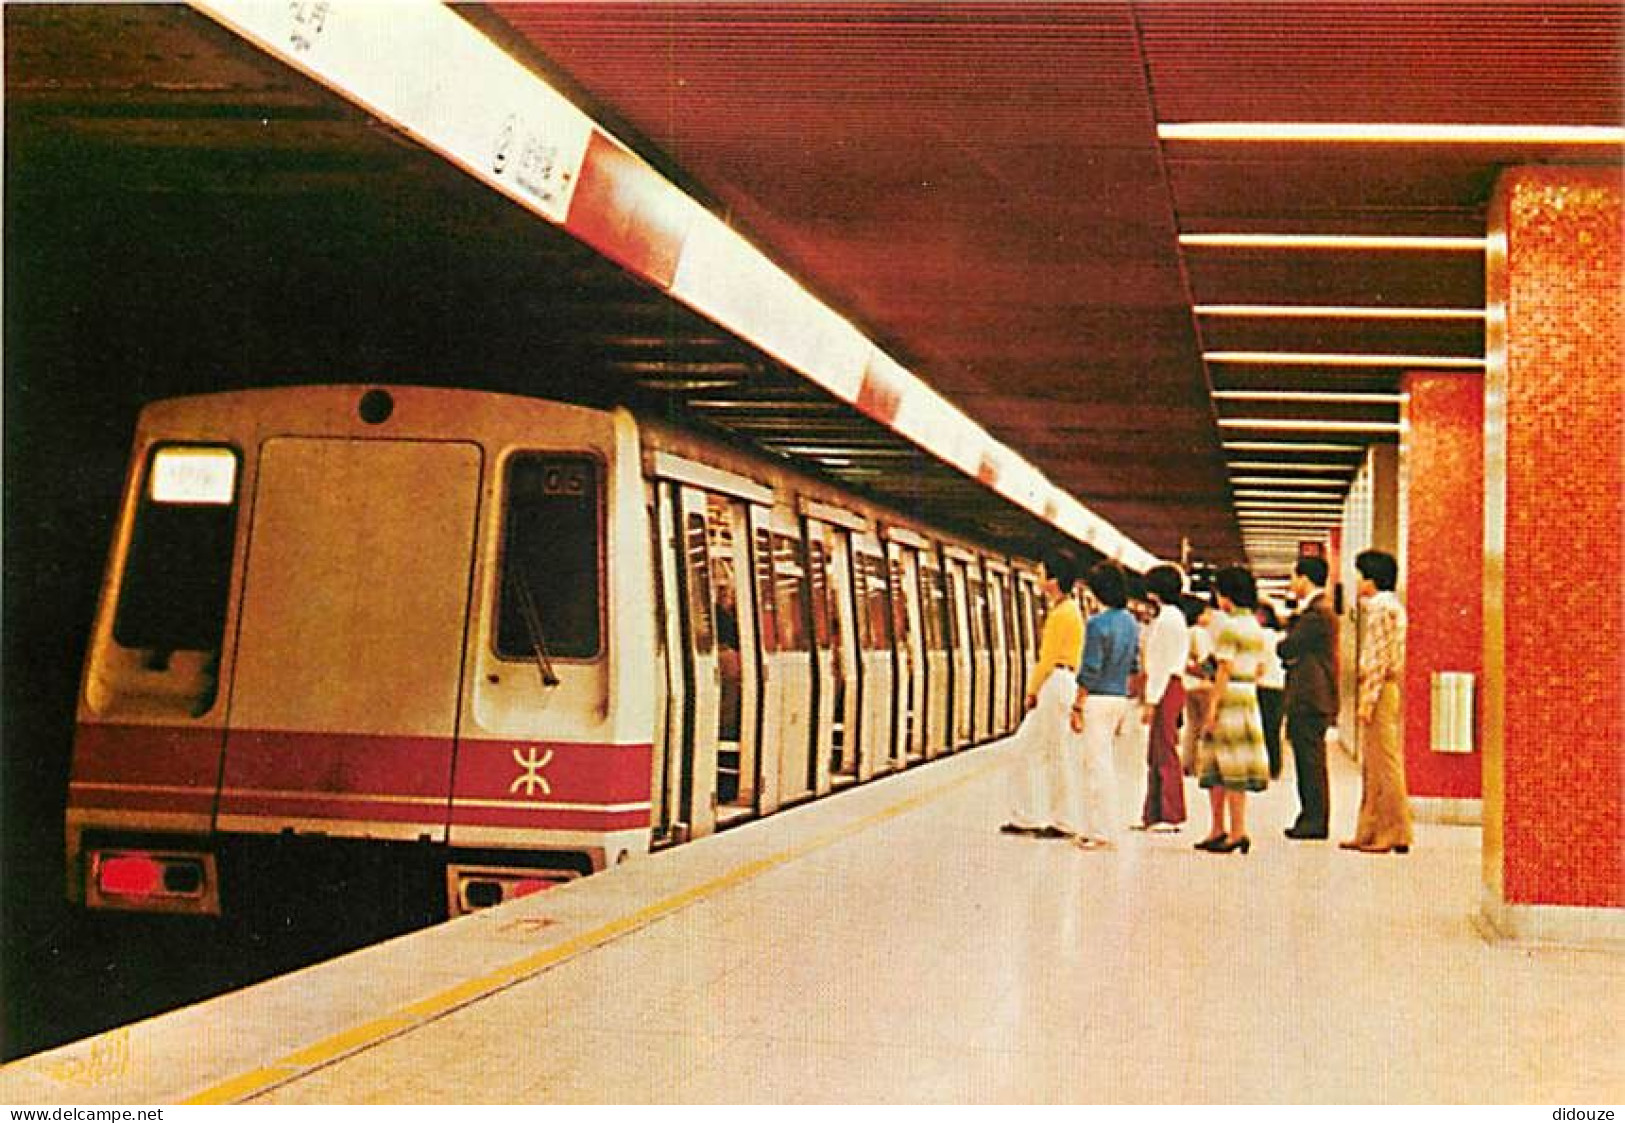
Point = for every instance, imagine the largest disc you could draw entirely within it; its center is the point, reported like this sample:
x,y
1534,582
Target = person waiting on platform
x,y
1271,682
1042,786
1111,653
1385,810
1198,675
1231,759
1167,646
1309,653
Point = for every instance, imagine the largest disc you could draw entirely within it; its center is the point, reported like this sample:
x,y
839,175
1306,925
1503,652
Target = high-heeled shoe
x,y
1244,844
1212,845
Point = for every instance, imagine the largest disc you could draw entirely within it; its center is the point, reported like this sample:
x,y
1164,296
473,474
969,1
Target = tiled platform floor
x,y
913,954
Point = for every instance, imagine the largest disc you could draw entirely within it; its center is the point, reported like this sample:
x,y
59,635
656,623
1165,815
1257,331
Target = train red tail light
x,y
129,875
141,879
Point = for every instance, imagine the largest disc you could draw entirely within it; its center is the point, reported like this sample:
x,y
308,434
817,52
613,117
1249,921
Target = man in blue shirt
x,y
1111,653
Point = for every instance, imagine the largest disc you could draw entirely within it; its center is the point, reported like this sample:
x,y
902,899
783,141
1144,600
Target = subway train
x,y
514,639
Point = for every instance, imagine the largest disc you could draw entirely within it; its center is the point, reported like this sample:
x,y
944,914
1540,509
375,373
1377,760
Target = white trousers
x,y
1043,783
1103,718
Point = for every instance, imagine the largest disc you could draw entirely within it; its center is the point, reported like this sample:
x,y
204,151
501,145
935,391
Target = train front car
x,y
350,620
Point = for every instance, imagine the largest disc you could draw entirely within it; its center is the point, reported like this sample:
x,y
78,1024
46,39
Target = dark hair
x,y
1235,583
1165,583
1315,569
1380,568
1106,581
1192,607
1061,566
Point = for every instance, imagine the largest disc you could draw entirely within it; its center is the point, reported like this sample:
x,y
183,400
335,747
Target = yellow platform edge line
x,y
237,1089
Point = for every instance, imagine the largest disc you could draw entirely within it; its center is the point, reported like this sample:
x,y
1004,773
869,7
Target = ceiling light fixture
x,y
1373,398
1290,446
1382,132
1289,466
1409,242
1308,425
1335,312
1338,482
1339,359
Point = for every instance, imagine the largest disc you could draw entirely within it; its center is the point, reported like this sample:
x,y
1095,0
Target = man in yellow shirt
x,y
1043,789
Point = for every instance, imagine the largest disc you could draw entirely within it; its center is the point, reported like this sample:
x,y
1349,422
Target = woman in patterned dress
x,y
1231,758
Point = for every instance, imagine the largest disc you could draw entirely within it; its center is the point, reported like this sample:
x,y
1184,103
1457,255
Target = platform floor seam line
x,y
356,1039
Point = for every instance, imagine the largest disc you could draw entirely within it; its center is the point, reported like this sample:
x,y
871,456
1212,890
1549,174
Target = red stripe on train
x,y
145,767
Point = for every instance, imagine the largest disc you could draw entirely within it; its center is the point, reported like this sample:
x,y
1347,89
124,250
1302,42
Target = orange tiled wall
x,y
1563,598
1444,557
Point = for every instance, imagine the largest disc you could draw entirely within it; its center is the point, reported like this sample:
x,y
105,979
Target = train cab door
x,y
876,722
344,702
960,728
934,631
910,656
998,602
829,554
789,668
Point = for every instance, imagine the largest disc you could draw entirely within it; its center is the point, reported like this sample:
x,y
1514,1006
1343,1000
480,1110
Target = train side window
x,y
767,605
978,615
876,609
697,580
552,549
177,572
820,596
934,607
790,582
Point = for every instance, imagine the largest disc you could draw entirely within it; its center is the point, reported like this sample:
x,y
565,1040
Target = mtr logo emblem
x,y
530,777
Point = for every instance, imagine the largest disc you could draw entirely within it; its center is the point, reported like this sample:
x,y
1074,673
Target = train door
x,y
998,618
709,554
875,723
790,676
981,655
961,729
934,629
825,659
909,665
667,816
839,691
343,711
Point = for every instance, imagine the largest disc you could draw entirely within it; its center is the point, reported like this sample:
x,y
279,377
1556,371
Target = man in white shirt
x,y
1167,645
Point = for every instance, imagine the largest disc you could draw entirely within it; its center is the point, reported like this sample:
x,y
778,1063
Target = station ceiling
x,y
990,191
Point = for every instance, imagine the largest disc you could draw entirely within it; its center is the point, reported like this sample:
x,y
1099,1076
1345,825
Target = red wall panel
x,y
1444,556
1563,610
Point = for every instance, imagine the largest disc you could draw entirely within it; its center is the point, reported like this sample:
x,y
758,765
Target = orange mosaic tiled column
x,y
1442,468
1554,556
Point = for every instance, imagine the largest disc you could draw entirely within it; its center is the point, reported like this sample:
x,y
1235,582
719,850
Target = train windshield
x,y
551,550
177,573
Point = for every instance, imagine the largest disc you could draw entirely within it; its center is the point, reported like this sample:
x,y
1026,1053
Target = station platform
x,y
890,946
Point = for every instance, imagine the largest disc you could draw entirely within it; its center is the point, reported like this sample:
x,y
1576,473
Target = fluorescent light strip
x,y
1288,466
1373,398
1431,244
1277,493
1308,425
1339,359
1389,133
1290,446
1324,482
1335,312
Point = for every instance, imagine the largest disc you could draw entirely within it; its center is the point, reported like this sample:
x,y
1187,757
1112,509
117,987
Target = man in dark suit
x,y
1309,653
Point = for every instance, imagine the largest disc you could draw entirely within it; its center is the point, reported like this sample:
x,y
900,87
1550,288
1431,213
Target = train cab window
x,y
552,559
177,571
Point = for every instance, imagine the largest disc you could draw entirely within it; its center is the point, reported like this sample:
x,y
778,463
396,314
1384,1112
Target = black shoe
x,y
1211,845
1052,832
1243,844
1303,835
1013,828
